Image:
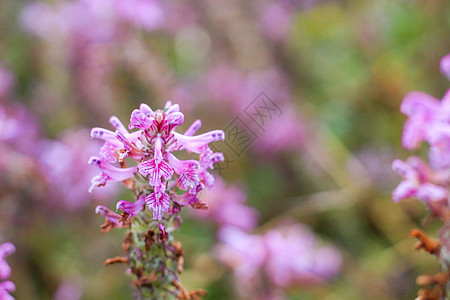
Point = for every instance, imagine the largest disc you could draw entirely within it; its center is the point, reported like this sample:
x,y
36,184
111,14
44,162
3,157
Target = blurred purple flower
x,y
7,80
287,255
62,162
6,249
275,21
69,289
282,133
244,253
276,16
445,66
7,287
18,128
428,120
147,14
420,181
226,207
293,257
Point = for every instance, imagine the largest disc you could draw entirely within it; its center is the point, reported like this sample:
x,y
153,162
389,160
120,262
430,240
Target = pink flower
x,y
188,171
159,202
7,287
244,253
147,14
69,289
132,208
275,21
294,257
419,181
285,256
111,217
424,114
109,172
152,147
445,66
6,249
282,133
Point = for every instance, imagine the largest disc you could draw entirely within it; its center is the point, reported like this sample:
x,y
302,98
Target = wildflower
x,y
284,256
112,219
420,181
132,208
6,249
445,66
152,146
6,286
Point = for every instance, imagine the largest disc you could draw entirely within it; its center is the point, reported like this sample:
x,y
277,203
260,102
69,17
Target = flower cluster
x,y
428,121
160,181
6,286
159,175
285,256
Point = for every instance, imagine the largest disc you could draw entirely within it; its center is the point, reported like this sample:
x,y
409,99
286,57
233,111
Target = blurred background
x,y
313,86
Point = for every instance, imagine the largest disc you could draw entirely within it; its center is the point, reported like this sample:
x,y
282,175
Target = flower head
x,y
152,146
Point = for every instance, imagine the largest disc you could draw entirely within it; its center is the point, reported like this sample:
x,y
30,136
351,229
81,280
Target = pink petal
x,y
404,190
445,66
159,203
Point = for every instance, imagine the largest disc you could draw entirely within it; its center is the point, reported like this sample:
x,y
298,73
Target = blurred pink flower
x,y
18,128
63,163
445,66
6,249
226,207
237,89
282,133
244,253
428,120
288,255
147,14
420,181
6,287
276,16
275,21
294,258
7,80
69,289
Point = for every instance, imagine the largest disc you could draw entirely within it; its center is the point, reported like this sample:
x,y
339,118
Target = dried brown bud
x,y
200,205
425,243
128,241
427,294
149,239
107,226
439,279
115,260
145,280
